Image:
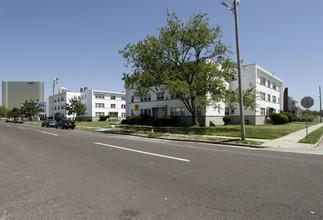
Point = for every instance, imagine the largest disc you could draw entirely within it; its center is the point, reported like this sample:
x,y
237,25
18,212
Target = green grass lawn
x,y
266,131
313,137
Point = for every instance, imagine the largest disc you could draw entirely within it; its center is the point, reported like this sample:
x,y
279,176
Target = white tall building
x,y
97,103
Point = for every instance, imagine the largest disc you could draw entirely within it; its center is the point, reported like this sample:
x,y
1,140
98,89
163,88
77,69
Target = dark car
x,y
65,123
49,123
19,120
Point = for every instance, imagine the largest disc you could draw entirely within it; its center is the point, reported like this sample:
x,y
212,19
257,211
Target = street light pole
x,y
235,10
320,104
55,80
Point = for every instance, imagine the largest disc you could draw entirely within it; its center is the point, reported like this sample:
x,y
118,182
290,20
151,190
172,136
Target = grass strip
x,y
313,137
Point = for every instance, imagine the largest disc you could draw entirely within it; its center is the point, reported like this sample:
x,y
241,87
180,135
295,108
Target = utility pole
x,y
320,104
55,80
235,10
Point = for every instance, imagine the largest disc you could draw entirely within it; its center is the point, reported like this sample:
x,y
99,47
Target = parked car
x,y
65,123
10,120
19,120
49,123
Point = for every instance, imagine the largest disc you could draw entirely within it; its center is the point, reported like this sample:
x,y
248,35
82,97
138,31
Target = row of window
x,y
97,114
263,111
59,107
267,83
112,97
59,99
270,98
102,105
159,96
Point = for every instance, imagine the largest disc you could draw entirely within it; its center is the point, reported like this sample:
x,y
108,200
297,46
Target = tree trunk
x,y
195,122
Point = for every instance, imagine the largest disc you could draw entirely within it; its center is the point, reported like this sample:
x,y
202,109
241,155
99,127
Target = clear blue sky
x,y
78,40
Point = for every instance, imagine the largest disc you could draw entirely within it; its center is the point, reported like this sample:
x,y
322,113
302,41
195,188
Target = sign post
x,y
307,102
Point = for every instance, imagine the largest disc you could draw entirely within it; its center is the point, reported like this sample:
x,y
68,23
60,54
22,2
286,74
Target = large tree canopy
x,y
179,61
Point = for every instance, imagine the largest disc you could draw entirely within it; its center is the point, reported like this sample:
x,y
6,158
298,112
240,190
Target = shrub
x,y
124,122
89,119
289,115
165,120
134,119
279,118
275,118
283,119
103,118
227,119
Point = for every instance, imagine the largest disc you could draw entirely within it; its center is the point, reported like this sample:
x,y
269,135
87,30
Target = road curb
x,y
185,140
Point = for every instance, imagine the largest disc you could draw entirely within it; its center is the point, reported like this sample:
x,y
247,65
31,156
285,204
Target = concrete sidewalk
x,y
291,140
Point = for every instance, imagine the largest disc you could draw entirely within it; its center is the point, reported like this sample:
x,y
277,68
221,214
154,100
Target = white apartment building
x,y
269,99
103,103
60,100
159,103
97,103
269,94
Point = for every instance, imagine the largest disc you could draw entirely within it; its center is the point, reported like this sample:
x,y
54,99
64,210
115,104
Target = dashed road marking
x,y
143,152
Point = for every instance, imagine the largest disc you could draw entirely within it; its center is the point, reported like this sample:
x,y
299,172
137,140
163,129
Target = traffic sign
x,y
307,102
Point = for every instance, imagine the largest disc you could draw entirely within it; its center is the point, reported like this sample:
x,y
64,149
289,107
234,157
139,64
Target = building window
x,y
177,111
268,83
123,114
269,98
145,98
174,96
123,106
132,99
131,111
262,80
262,96
97,114
113,105
274,99
160,96
99,96
99,105
145,111
123,98
262,111
274,86
113,97
227,110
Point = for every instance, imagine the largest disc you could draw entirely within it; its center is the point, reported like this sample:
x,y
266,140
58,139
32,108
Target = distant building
x,y
291,105
97,103
15,93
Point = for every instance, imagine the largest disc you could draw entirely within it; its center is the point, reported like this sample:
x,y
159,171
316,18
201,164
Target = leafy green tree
x,y
178,61
75,107
14,112
30,109
3,111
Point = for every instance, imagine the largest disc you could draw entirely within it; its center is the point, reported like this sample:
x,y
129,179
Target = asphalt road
x,y
49,173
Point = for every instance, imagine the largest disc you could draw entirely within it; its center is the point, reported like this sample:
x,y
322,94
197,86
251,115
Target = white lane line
x,y
49,133
143,152
22,128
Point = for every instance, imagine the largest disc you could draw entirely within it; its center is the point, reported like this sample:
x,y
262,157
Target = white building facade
x,y
103,103
269,90
269,99
156,104
97,103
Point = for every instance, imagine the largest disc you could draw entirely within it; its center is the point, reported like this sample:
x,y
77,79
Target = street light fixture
x,y
55,81
234,9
